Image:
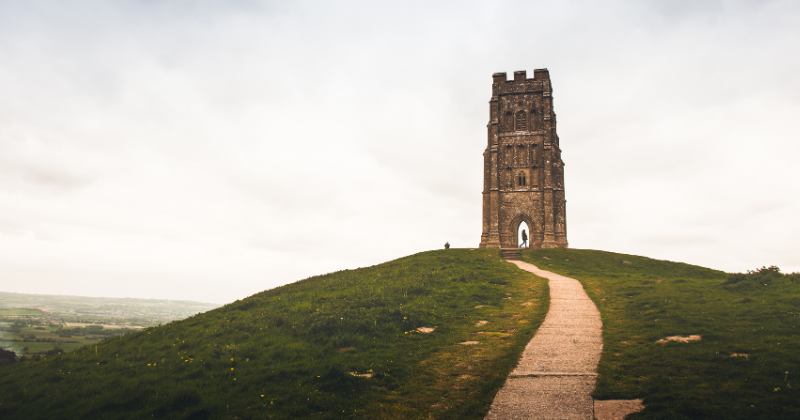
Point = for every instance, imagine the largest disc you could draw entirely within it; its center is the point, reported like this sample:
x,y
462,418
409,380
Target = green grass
x,y
643,300
289,352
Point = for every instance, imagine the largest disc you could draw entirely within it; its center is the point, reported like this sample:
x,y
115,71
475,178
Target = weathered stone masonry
x,y
523,174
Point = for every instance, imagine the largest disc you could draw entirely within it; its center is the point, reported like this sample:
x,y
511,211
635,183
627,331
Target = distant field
x,y
32,340
156,309
20,312
110,326
25,329
35,347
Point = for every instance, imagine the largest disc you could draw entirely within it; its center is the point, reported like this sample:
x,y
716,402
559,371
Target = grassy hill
x,y
342,345
347,345
748,359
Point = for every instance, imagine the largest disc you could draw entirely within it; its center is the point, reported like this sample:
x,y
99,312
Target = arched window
x,y
521,123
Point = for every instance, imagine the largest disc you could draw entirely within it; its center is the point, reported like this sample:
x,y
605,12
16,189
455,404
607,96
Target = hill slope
x,y
749,353
292,352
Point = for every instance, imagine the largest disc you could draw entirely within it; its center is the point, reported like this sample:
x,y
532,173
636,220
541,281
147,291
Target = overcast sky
x,y
208,150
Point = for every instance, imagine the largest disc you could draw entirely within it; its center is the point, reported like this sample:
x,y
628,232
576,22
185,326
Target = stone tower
x,y
523,174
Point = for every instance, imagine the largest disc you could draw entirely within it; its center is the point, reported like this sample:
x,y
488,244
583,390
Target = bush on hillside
x,y
764,276
7,357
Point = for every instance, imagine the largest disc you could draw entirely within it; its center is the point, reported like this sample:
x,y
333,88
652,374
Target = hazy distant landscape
x,y
36,324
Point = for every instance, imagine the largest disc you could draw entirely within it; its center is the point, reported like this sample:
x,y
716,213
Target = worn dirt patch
x,y
680,339
481,322
469,343
527,304
346,349
426,329
745,355
616,409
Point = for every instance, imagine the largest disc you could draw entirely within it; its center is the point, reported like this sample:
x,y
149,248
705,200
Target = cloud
x,y
209,150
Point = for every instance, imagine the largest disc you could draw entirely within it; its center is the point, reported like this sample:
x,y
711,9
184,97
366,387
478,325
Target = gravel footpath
x,y
557,373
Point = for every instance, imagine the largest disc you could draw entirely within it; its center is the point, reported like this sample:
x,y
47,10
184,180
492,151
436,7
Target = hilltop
x,y
349,345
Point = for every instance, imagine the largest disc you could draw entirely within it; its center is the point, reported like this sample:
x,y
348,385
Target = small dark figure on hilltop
x,y
447,245
524,238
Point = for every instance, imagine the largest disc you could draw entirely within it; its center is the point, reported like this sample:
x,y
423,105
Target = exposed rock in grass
x,y
680,339
469,343
426,329
481,322
361,375
527,304
745,355
626,262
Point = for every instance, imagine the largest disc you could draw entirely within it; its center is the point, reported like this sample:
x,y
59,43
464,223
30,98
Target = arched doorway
x,y
523,227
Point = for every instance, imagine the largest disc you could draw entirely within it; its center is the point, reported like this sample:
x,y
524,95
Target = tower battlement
x,y
521,83
521,76
523,170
